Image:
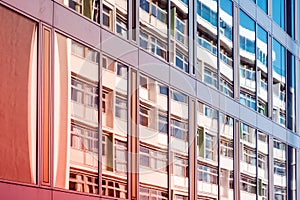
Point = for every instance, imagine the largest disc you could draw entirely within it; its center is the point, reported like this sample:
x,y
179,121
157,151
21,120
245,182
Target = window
x,y
227,148
153,194
144,116
121,26
180,167
120,156
106,17
177,96
207,174
114,188
248,184
84,93
182,62
153,45
249,155
209,146
144,82
121,107
84,139
180,31
163,90
210,77
122,71
153,159
162,123
77,49
81,182
279,168
179,129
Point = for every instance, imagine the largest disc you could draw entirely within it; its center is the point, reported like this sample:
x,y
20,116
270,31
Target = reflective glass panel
x,y
153,135
115,16
278,13
88,8
154,27
263,165
179,143
226,157
292,173
226,47
207,146
248,162
263,4
207,40
76,136
262,70
179,35
247,61
279,81
114,128
290,94
280,170
18,102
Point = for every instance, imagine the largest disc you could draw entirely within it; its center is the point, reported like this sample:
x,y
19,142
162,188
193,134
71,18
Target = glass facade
x,y
129,119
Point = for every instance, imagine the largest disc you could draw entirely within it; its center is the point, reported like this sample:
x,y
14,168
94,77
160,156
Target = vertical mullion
x,y
100,132
191,150
170,160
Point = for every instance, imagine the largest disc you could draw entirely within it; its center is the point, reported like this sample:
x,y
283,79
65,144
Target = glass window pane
x,y
247,60
76,116
18,102
207,150
114,126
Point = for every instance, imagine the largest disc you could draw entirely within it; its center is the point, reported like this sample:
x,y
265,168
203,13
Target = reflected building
x,y
149,99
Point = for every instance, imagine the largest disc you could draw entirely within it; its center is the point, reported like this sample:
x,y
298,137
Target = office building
x,y
148,99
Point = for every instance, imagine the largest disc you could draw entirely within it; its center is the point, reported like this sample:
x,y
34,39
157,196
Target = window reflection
x,y
76,113
248,162
153,27
115,16
179,143
263,165
247,61
226,47
207,145
179,34
88,8
153,134
278,13
207,66
263,4
114,128
226,156
279,81
262,70
280,170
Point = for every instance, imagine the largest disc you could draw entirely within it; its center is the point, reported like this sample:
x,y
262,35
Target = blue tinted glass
x,y
263,4
144,5
278,53
278,12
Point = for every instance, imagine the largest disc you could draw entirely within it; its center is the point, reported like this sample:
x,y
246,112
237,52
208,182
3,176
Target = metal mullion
x,y
51,106
256,151
39,125
100,130
169,143
129,161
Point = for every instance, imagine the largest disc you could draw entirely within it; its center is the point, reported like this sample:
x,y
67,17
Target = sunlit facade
x,y
149,99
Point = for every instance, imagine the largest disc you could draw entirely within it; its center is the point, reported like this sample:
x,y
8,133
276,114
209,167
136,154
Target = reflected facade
x,y
279,82
76,130
189,100
247,66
